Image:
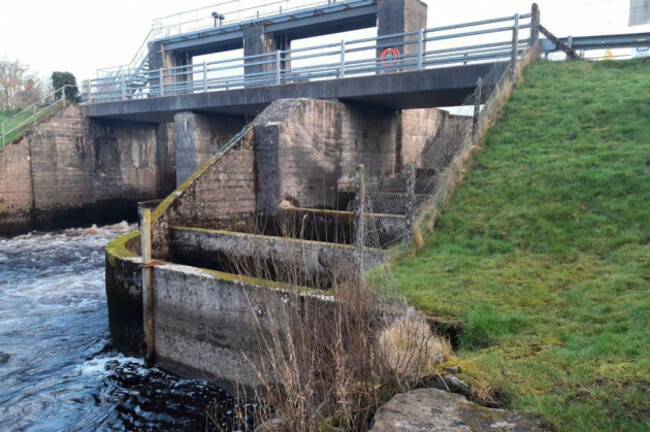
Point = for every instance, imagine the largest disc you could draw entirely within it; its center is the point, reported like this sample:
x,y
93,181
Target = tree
x,y
11,83
60,79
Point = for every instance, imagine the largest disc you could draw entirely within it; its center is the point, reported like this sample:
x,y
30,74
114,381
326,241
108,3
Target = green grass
x,y
15,118
544,250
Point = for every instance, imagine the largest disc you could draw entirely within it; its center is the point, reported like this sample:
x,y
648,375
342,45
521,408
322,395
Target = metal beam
x,y
599,42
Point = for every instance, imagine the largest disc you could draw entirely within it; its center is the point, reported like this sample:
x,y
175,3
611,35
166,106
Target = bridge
x,y
406,66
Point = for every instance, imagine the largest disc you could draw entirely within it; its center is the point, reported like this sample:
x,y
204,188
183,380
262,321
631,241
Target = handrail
x,y
474,42
199,19
33,112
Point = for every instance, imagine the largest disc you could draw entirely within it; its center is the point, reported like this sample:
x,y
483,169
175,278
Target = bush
x,y
61,79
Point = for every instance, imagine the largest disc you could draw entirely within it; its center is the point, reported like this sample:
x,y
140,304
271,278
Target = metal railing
x,y
227,13
15,126
498,39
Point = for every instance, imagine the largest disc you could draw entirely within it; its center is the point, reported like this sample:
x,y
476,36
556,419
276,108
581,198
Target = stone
x,y
434,410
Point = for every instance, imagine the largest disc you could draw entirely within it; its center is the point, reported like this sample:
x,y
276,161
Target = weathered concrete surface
x,y
72,170
220,195
207,324
431,410
405,90
198,137
288,260
307,151
124,294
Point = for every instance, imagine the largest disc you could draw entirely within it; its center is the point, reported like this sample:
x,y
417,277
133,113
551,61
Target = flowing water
x,y
58,371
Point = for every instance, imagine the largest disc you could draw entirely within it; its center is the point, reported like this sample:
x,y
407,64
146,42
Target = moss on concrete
x,y
117,248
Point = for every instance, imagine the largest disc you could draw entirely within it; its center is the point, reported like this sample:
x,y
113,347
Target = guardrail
x,y
15,126
491,40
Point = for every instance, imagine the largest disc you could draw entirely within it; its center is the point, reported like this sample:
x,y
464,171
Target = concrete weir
x,y
276,197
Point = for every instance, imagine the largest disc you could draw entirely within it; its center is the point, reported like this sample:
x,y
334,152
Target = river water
x,y
58,370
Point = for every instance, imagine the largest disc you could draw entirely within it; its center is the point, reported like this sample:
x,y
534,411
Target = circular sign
x,y
389,56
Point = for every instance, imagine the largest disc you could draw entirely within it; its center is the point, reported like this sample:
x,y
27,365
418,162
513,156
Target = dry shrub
x,y
329,364
410,349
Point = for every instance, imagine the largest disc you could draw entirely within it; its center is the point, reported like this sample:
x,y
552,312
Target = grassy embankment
x,y
544,251
15,118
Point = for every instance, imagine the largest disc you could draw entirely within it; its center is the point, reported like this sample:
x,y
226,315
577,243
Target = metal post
x,y
34,115
359,223
515,49
342,71
3,134
147,287
63,98
162,83
123,87
410,202
420,47
205,77
534,25
278,68
477,105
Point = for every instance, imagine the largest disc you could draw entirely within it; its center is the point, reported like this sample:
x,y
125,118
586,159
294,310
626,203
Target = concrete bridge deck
x,y
400,90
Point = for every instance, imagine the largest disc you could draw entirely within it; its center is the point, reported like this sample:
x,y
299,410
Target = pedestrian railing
x,y
13,127
493,40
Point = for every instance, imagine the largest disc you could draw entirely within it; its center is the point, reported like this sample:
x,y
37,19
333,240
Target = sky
x,y
82,35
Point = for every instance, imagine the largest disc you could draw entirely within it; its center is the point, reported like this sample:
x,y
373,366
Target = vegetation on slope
x,y
544,251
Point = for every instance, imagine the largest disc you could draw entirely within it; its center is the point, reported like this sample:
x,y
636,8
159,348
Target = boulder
x,y
433,410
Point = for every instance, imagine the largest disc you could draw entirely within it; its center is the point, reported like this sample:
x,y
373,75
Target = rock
x,y
452,369
456,384
434,410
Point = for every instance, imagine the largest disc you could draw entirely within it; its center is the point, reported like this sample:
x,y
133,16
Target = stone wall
x,y
71,170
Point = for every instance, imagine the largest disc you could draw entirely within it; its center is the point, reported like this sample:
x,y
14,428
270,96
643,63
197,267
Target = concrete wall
x,y
307,150
72,170
419,129
288,260
198,137
221,194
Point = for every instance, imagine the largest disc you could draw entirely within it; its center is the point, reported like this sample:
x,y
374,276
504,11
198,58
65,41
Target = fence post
x,y
147,286
359,223
123,87
477,105
63,98
420,47
410,202
162,83
278,67
3,134
205,77
34,115
342,71
515,49
534,25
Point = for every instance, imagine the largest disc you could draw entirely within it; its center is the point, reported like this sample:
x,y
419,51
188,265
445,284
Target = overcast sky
x,y
83,35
